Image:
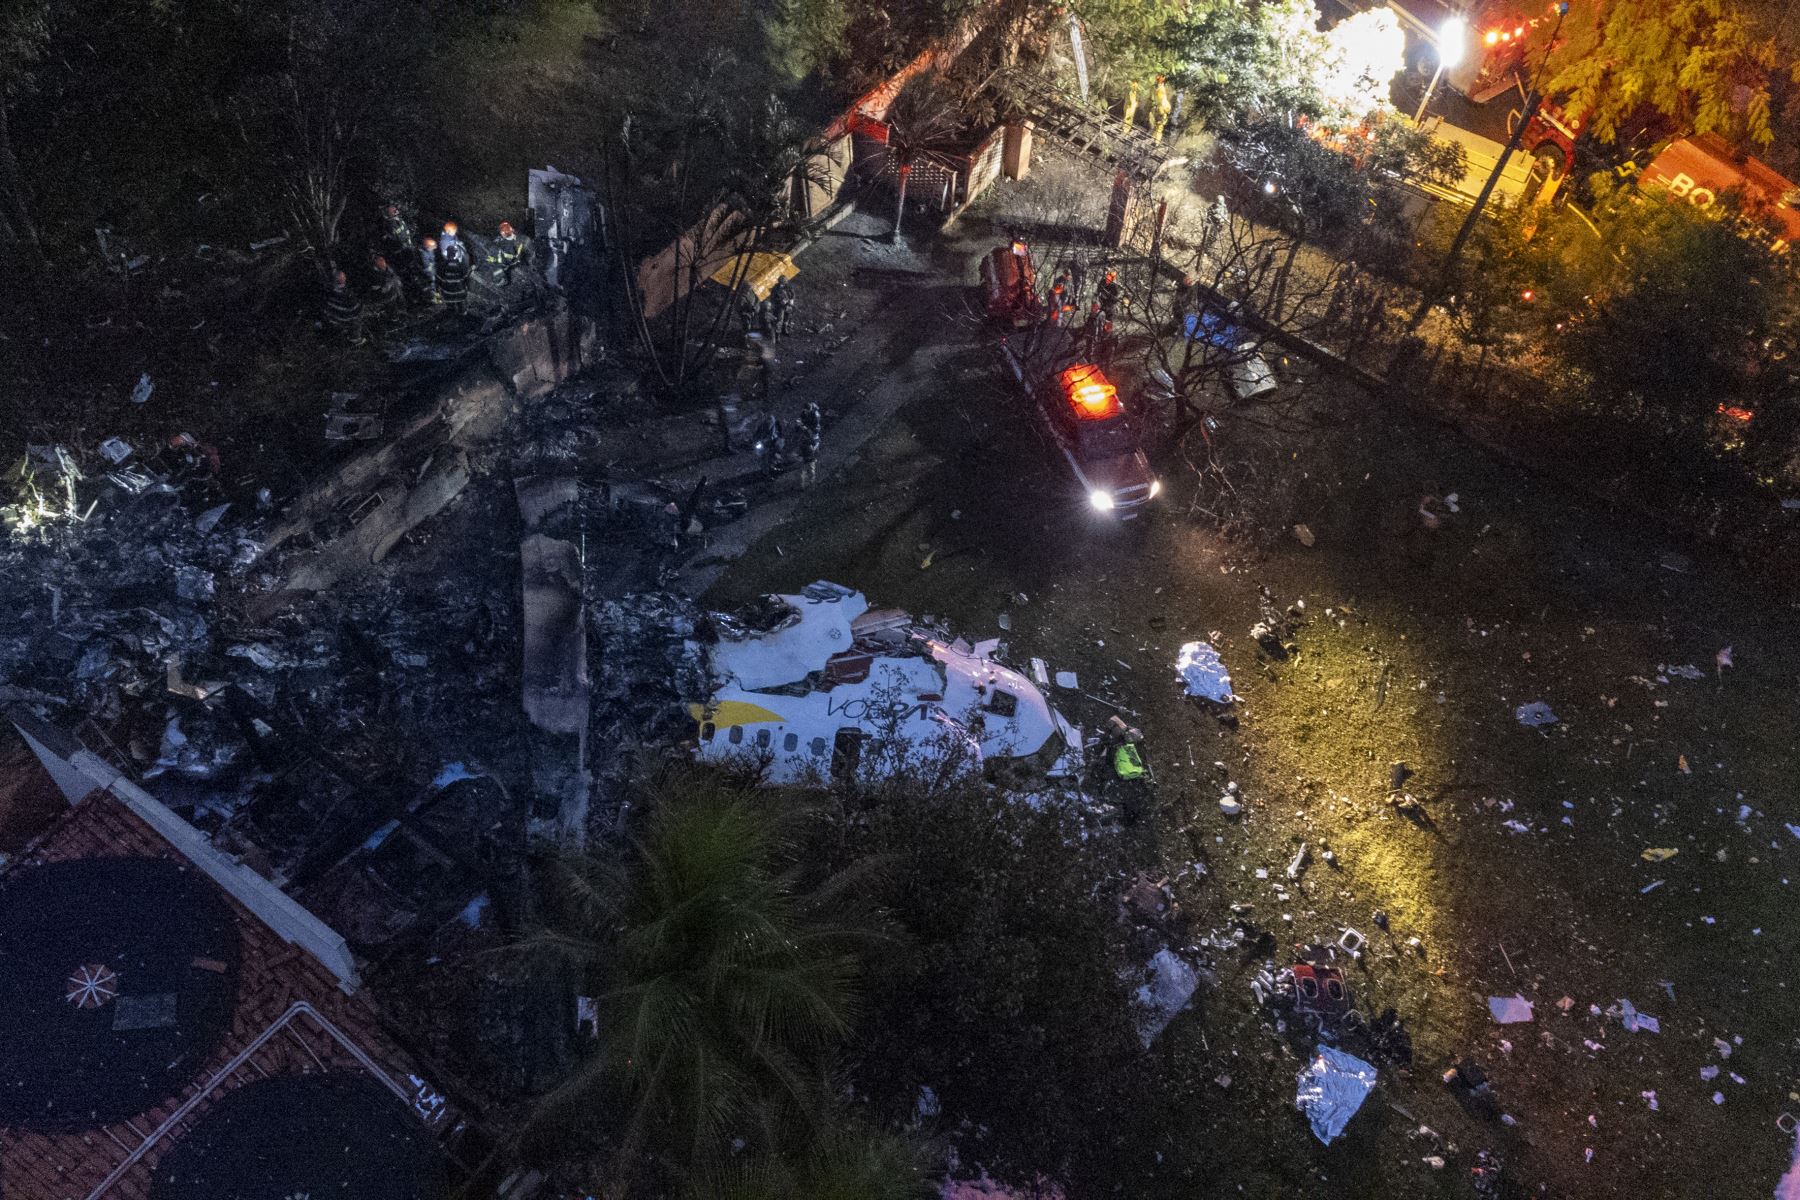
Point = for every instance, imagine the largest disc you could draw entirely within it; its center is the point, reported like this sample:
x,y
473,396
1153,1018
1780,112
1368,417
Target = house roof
x,y
292,1015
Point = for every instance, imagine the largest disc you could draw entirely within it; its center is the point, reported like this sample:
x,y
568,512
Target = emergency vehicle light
x,y
1090,394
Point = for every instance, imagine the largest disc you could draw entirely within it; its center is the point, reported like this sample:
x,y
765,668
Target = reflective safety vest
x,y
1127,764
341,306
453,272
505,251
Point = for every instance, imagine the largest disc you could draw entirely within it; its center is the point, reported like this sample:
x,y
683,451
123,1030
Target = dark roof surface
x,y
287,1017
340,1135
118,981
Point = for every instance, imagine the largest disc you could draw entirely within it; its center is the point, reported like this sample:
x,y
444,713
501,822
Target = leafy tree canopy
x,y
1705,64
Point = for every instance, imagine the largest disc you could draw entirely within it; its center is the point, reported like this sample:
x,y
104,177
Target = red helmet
x,y
449,228
506,229
431,243
1111,276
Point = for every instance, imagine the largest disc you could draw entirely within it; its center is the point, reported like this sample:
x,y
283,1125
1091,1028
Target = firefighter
x,y
1159,109
453,270
770,443
1106,343
781,296
396,234
1109,293
1131,103
746,307
390,294
505,254
425,265
811,431
343,310
1187,298
765,316
1090,329
1058,299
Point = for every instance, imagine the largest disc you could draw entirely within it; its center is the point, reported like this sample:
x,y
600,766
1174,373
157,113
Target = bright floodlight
x,y
1451,36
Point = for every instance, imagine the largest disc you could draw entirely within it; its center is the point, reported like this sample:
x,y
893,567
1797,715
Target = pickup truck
x,y
1081,411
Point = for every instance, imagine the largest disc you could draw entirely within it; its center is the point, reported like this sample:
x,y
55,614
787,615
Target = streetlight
x,y
1451,35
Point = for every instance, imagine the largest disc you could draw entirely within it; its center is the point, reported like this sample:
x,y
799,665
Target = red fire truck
x,y
1080,410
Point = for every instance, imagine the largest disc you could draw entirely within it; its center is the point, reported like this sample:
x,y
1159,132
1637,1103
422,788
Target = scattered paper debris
x,y
1304,534
1068,680
1510,1010
1638,1022
1659,854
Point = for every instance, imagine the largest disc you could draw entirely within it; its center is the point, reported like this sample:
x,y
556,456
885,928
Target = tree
x,y
24,30
700,172
924,125
1242,60
1704,64
1677,326
726,979
345,69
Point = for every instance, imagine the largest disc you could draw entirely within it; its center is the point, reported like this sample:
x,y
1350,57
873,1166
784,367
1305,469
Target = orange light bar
x,y
1091,394
1740,415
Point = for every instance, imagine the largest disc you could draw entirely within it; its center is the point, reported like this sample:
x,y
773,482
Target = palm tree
x,y
726,981
924,125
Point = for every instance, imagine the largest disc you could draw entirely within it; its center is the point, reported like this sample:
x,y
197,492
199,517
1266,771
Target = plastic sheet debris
x,y
1068,680
1659,853
1638,1022
1686,671
1169,986
1510,1010
1330,1090
142,392
1202,673
115,450
1534,714
206,521
1788,1186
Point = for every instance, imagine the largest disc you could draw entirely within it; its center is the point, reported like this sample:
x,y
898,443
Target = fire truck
x,y
1080,411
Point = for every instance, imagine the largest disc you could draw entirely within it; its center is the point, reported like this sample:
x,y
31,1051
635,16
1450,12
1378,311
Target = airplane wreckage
x,y
806,683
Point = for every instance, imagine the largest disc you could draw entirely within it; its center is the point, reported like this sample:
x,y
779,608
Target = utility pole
x,y
1533,98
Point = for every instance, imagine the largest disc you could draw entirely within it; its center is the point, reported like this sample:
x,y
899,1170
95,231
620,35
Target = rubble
x,y
815,682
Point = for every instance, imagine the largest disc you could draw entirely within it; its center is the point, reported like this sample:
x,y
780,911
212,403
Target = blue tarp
x,y
1331,1088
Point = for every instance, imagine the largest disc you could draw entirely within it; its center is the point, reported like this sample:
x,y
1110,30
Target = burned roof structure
x,y
163,1007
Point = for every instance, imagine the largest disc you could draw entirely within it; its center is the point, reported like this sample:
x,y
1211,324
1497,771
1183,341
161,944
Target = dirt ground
x,y
1514,855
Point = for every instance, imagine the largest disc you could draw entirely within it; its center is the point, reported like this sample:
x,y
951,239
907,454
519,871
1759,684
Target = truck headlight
x,y
1155,488
1101,500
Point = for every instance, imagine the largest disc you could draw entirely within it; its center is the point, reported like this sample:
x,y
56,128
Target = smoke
x,y
1788,1187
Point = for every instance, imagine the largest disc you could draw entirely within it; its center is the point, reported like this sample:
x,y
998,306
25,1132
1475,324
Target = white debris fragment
x,y
1638,1022
141,393
1510,1010
1534,714
1198,666
1169,987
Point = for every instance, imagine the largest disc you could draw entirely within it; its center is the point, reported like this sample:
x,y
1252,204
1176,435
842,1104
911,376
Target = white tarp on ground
x,y
1170,986
1202,672
1330,1090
